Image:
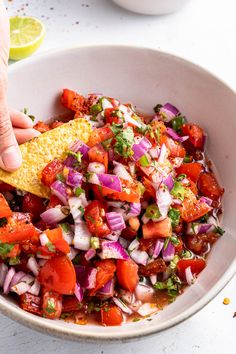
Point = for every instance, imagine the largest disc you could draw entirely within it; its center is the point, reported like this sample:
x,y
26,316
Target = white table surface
x,y
204,32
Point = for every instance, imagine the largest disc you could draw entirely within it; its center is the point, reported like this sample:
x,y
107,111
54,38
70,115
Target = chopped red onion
x,y
168,111
122,305
74,204
164,200
82,237
96,167
113,249
43,239
90,254
169,252
163,154
41,262
28,279
132,168
17,278
35,288
135,305
197,228
145,219
114,236
86,276
7,282
108,289
155,152
177,201
21,288
54,215
73,178
59,189
115,221
157,249
177,162
134,245
33,266
140,257
106,104
189,276
124,243
79,292
111,154
67,234
169,182
147,309
3,273
70,161
172,133
115,204
153,279
144,292
72,254
79,146
106,180
127,115
141,148
135,209
206,200
121,172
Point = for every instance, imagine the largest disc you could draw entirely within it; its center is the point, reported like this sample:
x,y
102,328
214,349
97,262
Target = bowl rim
x,y
71,333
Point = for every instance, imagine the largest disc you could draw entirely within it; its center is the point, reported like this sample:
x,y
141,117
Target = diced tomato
x,y
53,201
149,189
30,246
111,315
193,210
30,303
94,215
19,228
4,187
193,187
56,124
134,223
209,186
105,272
34,205
58,274
179,247
195,133
128,233
100,134
41,127
98,154
73,101
155,267
157,229
175,148
50,171
158,131
56,238
111,117
127,274
146,244
14,252
130,192
192,170
196,265
5,210
70,304
52,305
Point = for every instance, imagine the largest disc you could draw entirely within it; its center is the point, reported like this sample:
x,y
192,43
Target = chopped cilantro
x,y
78,191
14,261
152,212
5,248
174,215
219,230
76,260
50,306
204,218
25,111
95,109
144,129
81,209
174,240
51,247
157,108
124,142
3,222
144,162
186,254
181,177
90,218
174,261
65,227
60,177
136,319
178,122
107,143
116,128
160,285
187,159
65,315
178,191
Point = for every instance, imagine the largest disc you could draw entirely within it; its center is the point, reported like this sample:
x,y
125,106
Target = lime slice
x,y
26,34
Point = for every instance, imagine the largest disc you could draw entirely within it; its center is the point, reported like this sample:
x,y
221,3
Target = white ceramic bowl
x,y
152,7
144,77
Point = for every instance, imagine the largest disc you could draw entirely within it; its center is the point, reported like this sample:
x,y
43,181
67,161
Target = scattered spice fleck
x,y
226,301
234,314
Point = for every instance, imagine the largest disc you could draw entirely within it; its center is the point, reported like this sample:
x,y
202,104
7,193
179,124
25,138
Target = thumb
x,y
10,155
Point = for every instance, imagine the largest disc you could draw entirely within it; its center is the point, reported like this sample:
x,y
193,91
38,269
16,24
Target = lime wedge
x,y
27,34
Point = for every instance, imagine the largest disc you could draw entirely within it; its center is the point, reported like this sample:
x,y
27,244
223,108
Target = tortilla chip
x,y
39,151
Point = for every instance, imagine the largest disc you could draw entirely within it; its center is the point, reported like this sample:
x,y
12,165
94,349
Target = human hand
x,y
15,127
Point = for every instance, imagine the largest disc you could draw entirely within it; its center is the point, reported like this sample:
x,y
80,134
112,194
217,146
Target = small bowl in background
x,y
152,7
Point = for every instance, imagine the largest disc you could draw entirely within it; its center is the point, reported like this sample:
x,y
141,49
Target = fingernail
x,y
11,158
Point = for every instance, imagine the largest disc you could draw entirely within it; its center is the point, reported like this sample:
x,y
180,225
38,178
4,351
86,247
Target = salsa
x,y
131,218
